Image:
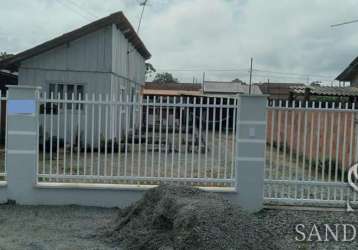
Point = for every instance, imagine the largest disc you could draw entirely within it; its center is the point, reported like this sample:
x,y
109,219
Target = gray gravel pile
x,y
178,217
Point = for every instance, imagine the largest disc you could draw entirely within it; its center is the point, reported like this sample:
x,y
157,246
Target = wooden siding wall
x,y
295,141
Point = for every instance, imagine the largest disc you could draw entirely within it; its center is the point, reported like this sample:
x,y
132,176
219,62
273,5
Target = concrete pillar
x,y
22,142
251,144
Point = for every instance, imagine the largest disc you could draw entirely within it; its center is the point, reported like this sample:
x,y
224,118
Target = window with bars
x,y
73,91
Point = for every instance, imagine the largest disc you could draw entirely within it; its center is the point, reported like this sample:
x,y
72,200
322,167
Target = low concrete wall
x,y
22,154
98,195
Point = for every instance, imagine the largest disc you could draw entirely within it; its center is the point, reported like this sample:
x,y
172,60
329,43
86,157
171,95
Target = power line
x,y
80,8
74,10
290,73
344,23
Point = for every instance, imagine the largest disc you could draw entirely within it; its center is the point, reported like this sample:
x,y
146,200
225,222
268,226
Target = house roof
x,y
350,72
171,89
327,91
117,18
4,74
277,88
229,88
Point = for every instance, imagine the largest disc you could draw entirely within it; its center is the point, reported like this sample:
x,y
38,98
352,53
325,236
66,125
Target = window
x,y
62,90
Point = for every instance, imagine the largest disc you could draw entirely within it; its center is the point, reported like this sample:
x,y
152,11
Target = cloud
x,y
200,35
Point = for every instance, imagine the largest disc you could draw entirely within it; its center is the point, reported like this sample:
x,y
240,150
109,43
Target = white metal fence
x,y
97,139
310,146
3,102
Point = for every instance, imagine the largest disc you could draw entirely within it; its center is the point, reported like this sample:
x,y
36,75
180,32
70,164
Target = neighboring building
x,y
171,89
325,93
350,74
103,57
228,88
278,90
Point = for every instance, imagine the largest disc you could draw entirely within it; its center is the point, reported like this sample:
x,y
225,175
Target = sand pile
x,y
178,217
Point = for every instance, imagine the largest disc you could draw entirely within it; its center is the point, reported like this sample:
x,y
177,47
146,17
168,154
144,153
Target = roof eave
x,y
118,18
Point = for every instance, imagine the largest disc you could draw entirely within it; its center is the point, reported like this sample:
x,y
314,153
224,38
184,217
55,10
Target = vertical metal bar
x,y
160,135
133,133
112,119
99,135
193,140
180,134
298,145
284,147
146,138
85,142
317,147
227,137
65,134
71,146
51,132
92,133
311,146
278,142
166,138
44,136
186,137
78,133
58,138
344,149
304,148
331,149
153,137
213,139
119,109
337,149
273,112
126,136
140,135
220,133
233,157
106,106
206,135
290,177
173,137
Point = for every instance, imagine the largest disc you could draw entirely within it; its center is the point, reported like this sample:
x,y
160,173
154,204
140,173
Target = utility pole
x,y
250,76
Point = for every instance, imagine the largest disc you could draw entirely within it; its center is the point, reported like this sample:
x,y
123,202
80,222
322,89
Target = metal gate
x,y
310,147
98,139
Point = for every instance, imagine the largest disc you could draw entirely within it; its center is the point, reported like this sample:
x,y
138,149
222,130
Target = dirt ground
x,y
47,227
166,218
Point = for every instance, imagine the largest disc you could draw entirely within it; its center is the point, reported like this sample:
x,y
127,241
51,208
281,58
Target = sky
x,y
289,40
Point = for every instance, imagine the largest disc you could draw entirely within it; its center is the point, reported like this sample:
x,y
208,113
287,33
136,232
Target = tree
x,y
4,55
165,77
149,69
237,80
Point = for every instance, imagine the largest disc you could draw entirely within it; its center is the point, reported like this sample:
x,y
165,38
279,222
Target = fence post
x,y
22,142
250,155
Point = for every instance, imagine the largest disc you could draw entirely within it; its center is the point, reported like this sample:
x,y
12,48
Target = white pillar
x,y
251,144
21,142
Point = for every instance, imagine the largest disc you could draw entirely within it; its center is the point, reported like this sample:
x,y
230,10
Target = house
x,y
104,57
350,74
278,91
325,93
220,88
171,89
